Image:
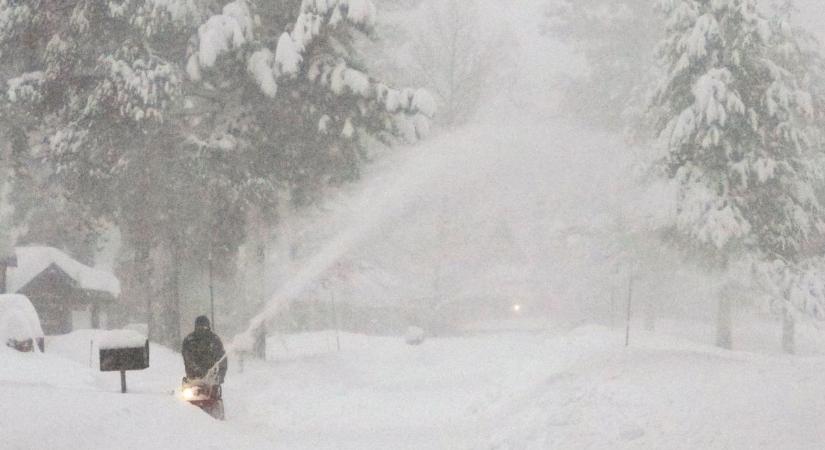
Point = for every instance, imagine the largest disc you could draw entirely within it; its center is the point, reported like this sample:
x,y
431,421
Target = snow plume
x,y
380,199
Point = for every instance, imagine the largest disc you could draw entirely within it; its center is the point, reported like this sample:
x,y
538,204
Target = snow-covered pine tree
x,y
798,50
101,83
174,118
316,92
732,125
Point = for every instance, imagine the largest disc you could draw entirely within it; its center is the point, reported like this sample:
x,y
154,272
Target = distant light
x,y
516,308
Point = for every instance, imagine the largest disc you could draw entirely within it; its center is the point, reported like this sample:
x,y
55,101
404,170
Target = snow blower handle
x,y
212,374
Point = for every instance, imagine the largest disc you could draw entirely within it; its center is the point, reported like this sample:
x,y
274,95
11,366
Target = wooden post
x,y
122,381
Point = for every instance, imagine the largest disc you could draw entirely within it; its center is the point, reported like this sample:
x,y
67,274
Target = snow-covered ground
x,y
554,388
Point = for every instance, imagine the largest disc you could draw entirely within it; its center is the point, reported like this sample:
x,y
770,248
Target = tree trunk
x,y
788,332
724,323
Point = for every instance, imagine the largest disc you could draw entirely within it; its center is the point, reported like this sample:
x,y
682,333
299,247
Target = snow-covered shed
x,y
66,293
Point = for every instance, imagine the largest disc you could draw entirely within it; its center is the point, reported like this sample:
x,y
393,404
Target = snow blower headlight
x,y
188,393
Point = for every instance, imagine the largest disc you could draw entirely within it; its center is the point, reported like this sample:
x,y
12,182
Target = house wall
x,y
61,306
53,303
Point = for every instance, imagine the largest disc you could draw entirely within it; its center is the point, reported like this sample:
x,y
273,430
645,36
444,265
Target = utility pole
x,y
211,293
335,318
629,309
612,307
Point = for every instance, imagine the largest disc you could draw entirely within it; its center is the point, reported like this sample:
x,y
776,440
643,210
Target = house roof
x,y
32,261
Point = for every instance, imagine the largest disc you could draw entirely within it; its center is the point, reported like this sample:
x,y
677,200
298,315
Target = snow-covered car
x,y
19,323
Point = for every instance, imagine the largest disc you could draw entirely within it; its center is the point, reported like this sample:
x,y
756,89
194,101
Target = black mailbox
x,y
123,350
120,359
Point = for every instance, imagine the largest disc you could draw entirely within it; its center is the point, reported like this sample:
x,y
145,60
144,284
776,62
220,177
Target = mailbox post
x,y
122,350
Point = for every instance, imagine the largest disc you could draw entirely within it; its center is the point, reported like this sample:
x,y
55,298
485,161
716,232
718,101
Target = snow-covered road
x,y
560,389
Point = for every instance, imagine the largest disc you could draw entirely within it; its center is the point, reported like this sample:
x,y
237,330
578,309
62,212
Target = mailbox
x,y
128,358
122,350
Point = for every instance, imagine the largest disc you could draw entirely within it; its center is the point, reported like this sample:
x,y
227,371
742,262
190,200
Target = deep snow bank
x,y
51,401
665,393
554,389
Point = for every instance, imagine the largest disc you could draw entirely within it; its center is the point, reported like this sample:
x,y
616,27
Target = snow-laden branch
x,y
233,29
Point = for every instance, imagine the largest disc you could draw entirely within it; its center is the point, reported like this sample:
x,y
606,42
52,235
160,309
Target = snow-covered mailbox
x,y
122,350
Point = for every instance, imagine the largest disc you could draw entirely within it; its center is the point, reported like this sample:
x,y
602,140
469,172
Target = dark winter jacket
x,y
202,349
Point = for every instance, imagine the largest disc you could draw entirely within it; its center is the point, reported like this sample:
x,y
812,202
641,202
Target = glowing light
x,y
517,308
188,394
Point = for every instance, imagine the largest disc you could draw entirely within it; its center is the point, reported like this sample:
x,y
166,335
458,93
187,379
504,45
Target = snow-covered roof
x,y
32,261
18,318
